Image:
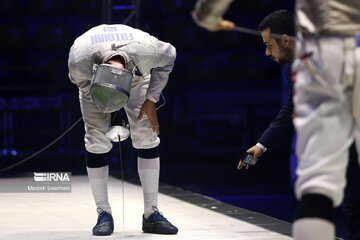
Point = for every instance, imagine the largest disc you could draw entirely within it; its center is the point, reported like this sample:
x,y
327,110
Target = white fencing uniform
x,y
326,126
327,117
325,86
139,49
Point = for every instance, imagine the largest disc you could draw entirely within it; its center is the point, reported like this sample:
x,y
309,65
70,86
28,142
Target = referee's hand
x,y
256,151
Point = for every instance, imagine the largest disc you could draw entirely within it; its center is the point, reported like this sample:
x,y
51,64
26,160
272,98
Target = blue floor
x,y
281,206
272,199
278,206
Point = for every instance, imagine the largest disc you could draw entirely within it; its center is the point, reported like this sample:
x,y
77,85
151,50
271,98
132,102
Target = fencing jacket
x,y
100,43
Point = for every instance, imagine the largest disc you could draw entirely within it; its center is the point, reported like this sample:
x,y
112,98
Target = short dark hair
x,y
279,22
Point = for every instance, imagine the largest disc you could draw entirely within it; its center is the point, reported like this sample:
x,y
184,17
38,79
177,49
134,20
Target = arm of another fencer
x,y
208,14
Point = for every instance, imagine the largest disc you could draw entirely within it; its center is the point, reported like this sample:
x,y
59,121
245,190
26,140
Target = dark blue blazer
x,y
282,126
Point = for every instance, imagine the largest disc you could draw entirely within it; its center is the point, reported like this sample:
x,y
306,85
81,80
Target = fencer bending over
x,y
150,61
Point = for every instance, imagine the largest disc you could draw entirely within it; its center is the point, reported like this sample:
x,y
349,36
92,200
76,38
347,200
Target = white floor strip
x,y
40,216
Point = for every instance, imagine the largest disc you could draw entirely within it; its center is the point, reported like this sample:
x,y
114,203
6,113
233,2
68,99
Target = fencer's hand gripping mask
x,y
110,87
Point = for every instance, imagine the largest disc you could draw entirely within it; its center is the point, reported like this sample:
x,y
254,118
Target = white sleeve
x,y
163,65
263,148
80,66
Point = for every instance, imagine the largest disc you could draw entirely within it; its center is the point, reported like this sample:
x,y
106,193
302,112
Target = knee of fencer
x,y
145,143
315,206
94,160
97,143
325,185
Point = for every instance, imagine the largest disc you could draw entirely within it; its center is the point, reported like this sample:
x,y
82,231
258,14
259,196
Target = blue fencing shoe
x,y
157,223
104,225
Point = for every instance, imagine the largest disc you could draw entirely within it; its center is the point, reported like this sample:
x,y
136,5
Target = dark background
x,y
222,94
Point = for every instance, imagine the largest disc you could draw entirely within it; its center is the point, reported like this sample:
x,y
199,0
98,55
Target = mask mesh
x,y
110,88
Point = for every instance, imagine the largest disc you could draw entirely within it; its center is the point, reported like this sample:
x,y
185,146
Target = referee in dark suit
x,y
281,49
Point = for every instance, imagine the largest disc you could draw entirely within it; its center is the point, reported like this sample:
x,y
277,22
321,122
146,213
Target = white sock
x,y
149,170
98,178
313,229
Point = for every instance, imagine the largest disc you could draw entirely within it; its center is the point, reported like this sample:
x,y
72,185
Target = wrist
x,y
152,98
263,148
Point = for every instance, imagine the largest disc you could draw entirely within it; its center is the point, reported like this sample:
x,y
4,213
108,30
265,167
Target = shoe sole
x,y
111,226
150,228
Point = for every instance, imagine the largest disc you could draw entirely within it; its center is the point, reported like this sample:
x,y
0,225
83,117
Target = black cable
x,y
41,150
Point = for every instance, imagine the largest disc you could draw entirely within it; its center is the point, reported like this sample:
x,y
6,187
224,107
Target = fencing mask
x,y
110,87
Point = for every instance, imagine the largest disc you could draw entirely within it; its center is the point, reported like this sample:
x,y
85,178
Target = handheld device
x,y
247,158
